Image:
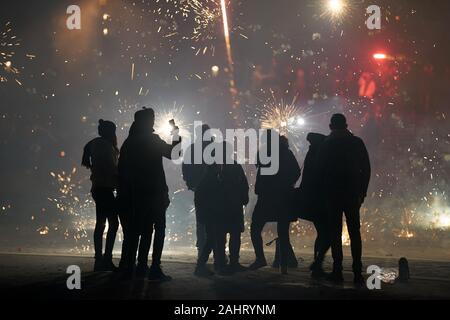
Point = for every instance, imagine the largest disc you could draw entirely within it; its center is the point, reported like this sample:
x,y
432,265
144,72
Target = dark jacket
x,y
101,157
309,195
208,195
141,168
344,166
199,177
193,172
234,191
275,192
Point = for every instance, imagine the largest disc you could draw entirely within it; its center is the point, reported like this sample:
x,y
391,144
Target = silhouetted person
x,y
230,210
345,170
193,173
101,156
208,194
274,202
312,202
145,193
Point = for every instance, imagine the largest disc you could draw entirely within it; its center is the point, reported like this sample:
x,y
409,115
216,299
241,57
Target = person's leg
x,y
158,241
322,243
321,246
200,234
210,243
124,210
335,225
235,247
101,213
113,225
145,242
219,249
283,237
353,225
256,228
317,241
156,273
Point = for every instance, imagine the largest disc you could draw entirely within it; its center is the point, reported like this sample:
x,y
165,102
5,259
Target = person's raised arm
x,y
170,151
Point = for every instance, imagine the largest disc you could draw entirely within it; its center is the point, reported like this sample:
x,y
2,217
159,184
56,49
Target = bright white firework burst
x,y
335,9
286,118
164,115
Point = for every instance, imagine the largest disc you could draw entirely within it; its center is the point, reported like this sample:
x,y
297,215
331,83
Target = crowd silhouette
x,y
131,185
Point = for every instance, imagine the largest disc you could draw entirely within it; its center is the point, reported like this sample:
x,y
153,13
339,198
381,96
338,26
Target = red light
x,y
379,56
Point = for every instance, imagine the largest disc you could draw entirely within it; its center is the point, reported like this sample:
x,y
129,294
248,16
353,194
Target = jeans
x,y
105,210
350,208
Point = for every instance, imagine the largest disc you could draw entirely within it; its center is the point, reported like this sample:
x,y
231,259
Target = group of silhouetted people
x,y
131,185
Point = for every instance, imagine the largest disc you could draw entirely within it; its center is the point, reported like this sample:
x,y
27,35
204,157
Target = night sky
x,y
56,84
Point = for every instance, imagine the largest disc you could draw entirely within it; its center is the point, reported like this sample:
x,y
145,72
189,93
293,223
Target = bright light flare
x,y
301,121
162,125
336,7
215,70
380,56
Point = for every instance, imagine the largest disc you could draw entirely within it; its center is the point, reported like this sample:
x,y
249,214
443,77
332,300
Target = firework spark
x,y
286,118
8,43
202,17
74,202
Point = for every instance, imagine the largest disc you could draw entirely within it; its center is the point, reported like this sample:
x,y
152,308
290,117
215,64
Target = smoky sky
x,y
70,79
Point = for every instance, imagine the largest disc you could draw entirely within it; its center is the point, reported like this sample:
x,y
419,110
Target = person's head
x,y
200,130
146,116
107,130
315,138
338,122
284,142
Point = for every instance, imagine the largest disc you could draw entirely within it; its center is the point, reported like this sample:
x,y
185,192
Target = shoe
x,y
203,271
98,265
317,270
313,266
237,267
336,277
108,265
156,274
359,280
141,271
258,264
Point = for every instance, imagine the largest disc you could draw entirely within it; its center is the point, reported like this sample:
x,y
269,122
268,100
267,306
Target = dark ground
x,y
44,277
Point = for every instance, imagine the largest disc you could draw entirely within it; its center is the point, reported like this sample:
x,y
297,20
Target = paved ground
x,y
44,277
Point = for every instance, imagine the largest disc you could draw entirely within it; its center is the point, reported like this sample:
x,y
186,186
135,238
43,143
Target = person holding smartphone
x,y
144,195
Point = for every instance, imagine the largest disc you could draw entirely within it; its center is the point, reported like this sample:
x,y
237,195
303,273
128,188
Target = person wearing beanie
x,y
101,157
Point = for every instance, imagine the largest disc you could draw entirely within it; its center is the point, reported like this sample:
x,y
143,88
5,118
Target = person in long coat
x,y
275,201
